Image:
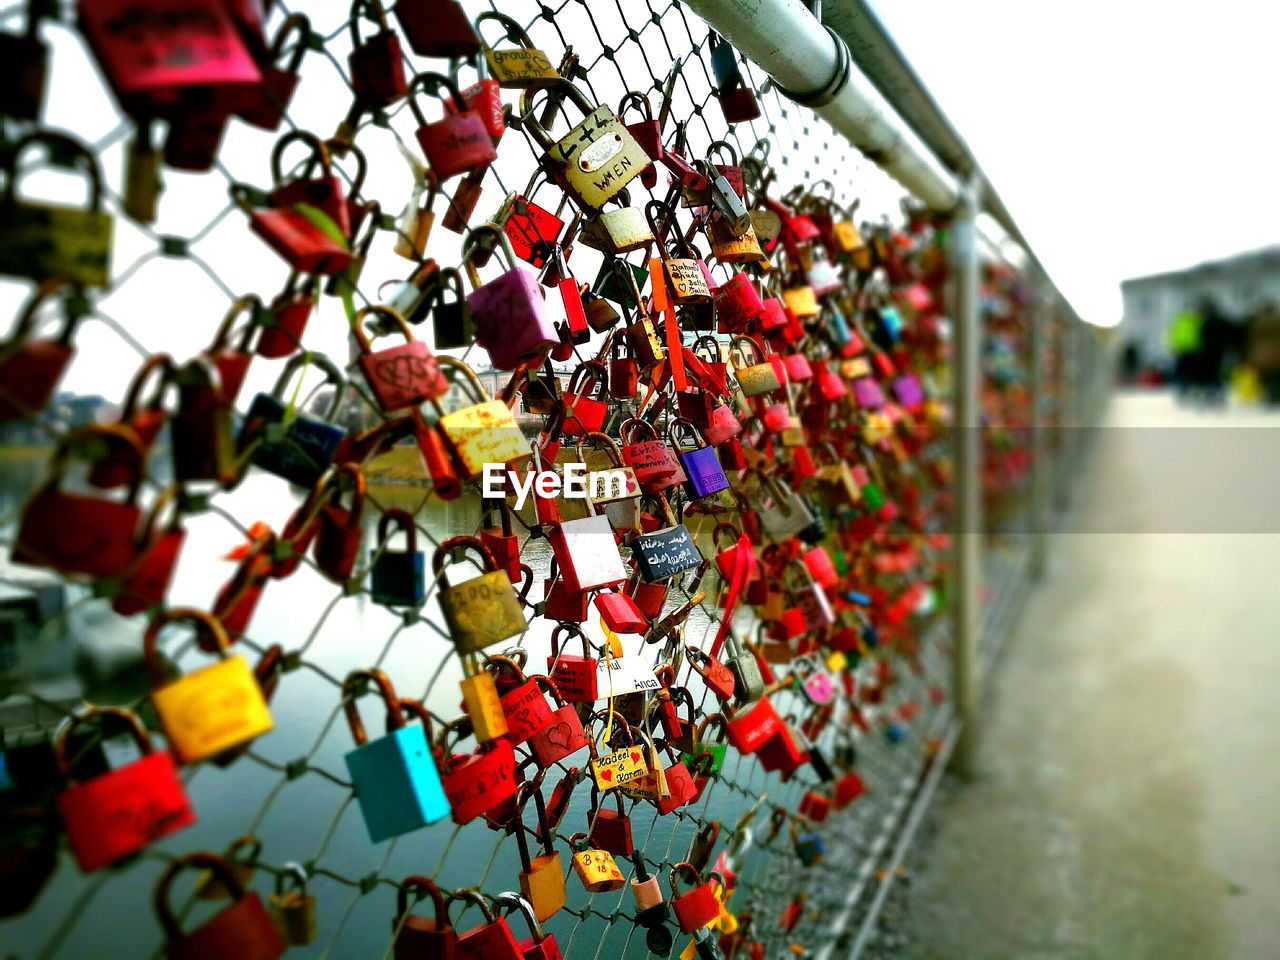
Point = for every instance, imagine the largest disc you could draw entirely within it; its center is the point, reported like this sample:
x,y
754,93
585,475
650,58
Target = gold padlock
x,y
541,877
597,869
755,378
680,261
485,432
618,230
596,159
293,910
142,183
212,709
802,301
522,67
618,766
481,702
481,611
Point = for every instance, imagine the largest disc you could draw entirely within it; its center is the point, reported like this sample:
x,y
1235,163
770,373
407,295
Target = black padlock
x,y
450,314
705,945
24,65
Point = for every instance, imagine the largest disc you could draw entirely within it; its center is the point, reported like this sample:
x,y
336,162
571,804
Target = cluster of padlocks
x,y
752,378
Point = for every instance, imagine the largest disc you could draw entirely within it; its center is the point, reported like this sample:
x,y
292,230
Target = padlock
x,y
376,64
212,709
484,432
587,553
696,908
400,377
241,858
293,910
319,189
647,133
532,229
655,464
243,930
481,703
755,374
415,937
338,528
520,67
142,181
814,805
713,673
541,946
750,729
304,236
492,939
463,203
619,612
115,814
232,355
624,371
264,104
509,312
397,578
596,868
785,513
76,532
596,159
484,610
748,682
681,263
294,445
483,98
808,844
562,735
437,28
619,230
666,549
25,59
701,464
574,675
282,324
523,704
31,367
541,877
237,599
156,547
457,143
41,240
582,402
395,779
847,789
811,598
609,830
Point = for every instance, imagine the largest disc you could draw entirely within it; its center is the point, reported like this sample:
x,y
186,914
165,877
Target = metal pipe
x,y
880,60
812,66
966,425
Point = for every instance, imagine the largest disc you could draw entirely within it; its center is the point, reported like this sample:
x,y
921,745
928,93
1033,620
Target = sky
x,y
1126,137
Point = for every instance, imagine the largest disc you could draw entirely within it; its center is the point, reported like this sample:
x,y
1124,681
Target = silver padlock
x,y
748,684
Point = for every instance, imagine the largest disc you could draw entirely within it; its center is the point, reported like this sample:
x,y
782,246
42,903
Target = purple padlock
x,y
908,392
866,390
701,464
509,313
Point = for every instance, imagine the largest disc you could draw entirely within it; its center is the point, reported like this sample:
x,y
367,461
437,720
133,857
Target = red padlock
x,y
751,729
609,829
264,104
337,543
816,806
561,602
376,63
478,783
438,28
77,533
119,812
492,939
624,371
681,788
238,598
417,937
620,612
523,704
157,548
307,239
699,906
848,789
540,946
144,421
714,674
231,356
402,376
243,930
562,735
584,406
31,367
502,543
574,675
457,143
285,320
649,597
445,481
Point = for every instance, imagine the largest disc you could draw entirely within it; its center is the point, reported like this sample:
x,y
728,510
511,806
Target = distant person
x,y
1216,334
1183,339
1264,351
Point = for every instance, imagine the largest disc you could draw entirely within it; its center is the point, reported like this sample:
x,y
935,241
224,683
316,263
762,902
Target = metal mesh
x,y
172,283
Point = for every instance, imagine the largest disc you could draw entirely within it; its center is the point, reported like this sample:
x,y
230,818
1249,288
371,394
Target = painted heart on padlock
x,y
560,735
606,775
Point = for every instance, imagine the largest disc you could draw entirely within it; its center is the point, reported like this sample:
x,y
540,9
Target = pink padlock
x,y
510,315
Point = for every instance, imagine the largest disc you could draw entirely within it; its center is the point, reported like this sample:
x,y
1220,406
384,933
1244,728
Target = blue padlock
x,y
701,464
297,446
395,778
397,577
809,844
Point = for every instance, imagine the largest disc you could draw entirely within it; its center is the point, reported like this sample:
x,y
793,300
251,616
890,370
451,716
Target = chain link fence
x,y
172,281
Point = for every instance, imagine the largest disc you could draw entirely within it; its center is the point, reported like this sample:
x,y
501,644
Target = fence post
x,y
967,537
1040,473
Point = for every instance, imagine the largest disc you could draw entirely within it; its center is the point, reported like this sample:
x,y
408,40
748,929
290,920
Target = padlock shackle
x,y
640,100
238,306
734,532
297,23
75,440
26,322
475,896
571,629
292,871
605,440
208,861
416,709
418,884
99,717
478,392
498,663
430,83
319,152
543,834
557,92
678,423
716,719
627,430
206,625
447,547
686,869
381,310
366,7
595,371
156,363
514,31
659,208
353,688
403,519
516,902
703,758
471,241
299,363
64,147
550,687
170,496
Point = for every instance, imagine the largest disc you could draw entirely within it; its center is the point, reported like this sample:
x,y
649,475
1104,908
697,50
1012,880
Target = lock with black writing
x,y
596,868
596,159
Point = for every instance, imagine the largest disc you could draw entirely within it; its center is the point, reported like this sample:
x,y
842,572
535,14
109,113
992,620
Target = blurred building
x,y
1240,285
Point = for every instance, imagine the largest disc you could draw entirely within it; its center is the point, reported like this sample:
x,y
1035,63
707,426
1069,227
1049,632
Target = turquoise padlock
x,y
809,845
395,778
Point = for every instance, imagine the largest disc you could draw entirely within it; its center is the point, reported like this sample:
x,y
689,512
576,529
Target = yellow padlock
x,y
211,709
481,701
486,431
837,661
801,301
597,869
620,766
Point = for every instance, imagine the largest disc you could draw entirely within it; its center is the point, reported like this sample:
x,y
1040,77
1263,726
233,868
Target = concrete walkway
x,y
1127,800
